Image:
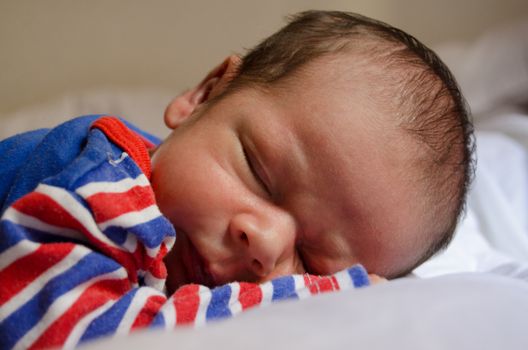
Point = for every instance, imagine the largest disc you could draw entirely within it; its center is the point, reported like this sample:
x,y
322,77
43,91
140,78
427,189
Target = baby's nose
x,y
263,245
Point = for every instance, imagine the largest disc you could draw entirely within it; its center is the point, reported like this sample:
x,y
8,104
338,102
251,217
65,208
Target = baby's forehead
x,y
366,80
326,105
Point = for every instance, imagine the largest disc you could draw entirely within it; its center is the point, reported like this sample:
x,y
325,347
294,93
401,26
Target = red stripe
x,y
93,297
147,142
335,283
319,284
142,260
186,302
123,258
106,206
139,256
156,266
308,283
44,208
126,139
25,270
250,295
149,311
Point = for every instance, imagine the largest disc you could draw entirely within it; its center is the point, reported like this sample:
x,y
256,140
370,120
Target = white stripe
x,y
79,329
60,306
169,313
34,287
204,294
301,288
234,303
344,280
154,282
267,293
77,210
335,285
130,243
19,250
120,186
132,218
134,308
32,222
169,242
152,252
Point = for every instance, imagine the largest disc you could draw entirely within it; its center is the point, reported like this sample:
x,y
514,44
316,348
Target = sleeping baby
x,y
338,140
338,145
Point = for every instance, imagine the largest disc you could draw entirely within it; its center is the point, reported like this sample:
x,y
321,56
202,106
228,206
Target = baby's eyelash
x,y
254,171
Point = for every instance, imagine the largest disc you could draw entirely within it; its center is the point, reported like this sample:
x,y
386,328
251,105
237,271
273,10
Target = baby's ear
x,y
182,106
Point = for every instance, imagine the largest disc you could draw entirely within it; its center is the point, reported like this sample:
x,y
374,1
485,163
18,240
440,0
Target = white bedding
x,y
493,74
494,231
467,311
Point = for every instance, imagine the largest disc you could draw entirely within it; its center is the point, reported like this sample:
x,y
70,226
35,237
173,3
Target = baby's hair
x,y
421,92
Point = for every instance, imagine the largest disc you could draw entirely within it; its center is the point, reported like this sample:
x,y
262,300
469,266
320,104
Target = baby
x,y
337,141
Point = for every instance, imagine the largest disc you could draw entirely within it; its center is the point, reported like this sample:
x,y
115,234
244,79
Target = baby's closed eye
x,y
254,167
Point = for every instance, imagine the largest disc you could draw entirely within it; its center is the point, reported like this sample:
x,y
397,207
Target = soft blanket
x,y
82,243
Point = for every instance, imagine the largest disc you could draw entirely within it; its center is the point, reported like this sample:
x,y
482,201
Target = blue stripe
x,y
102,161
219,305
116,234
29,314
158,321
90,157
10,234
128,165
153,232
14,152
97,162
359,276
284,288
108,322
56,150
17,233
150,233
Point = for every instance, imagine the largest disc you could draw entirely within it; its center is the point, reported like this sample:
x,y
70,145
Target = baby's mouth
x,y
195,265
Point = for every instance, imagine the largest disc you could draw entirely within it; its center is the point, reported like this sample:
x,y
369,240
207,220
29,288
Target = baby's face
x,y
306,178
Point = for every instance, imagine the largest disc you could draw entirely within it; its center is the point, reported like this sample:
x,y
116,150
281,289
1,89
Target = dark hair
x,y
422,91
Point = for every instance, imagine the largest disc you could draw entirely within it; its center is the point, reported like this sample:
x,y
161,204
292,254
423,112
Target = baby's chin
x,y
185,265
176,275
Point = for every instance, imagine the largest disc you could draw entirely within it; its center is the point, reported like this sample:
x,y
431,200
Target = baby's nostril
x,y
244,238
257,265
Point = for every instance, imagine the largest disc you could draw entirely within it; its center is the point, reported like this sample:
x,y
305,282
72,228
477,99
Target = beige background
x,y
53,47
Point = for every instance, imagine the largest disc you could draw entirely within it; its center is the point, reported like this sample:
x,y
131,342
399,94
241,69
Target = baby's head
x,y
338,140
